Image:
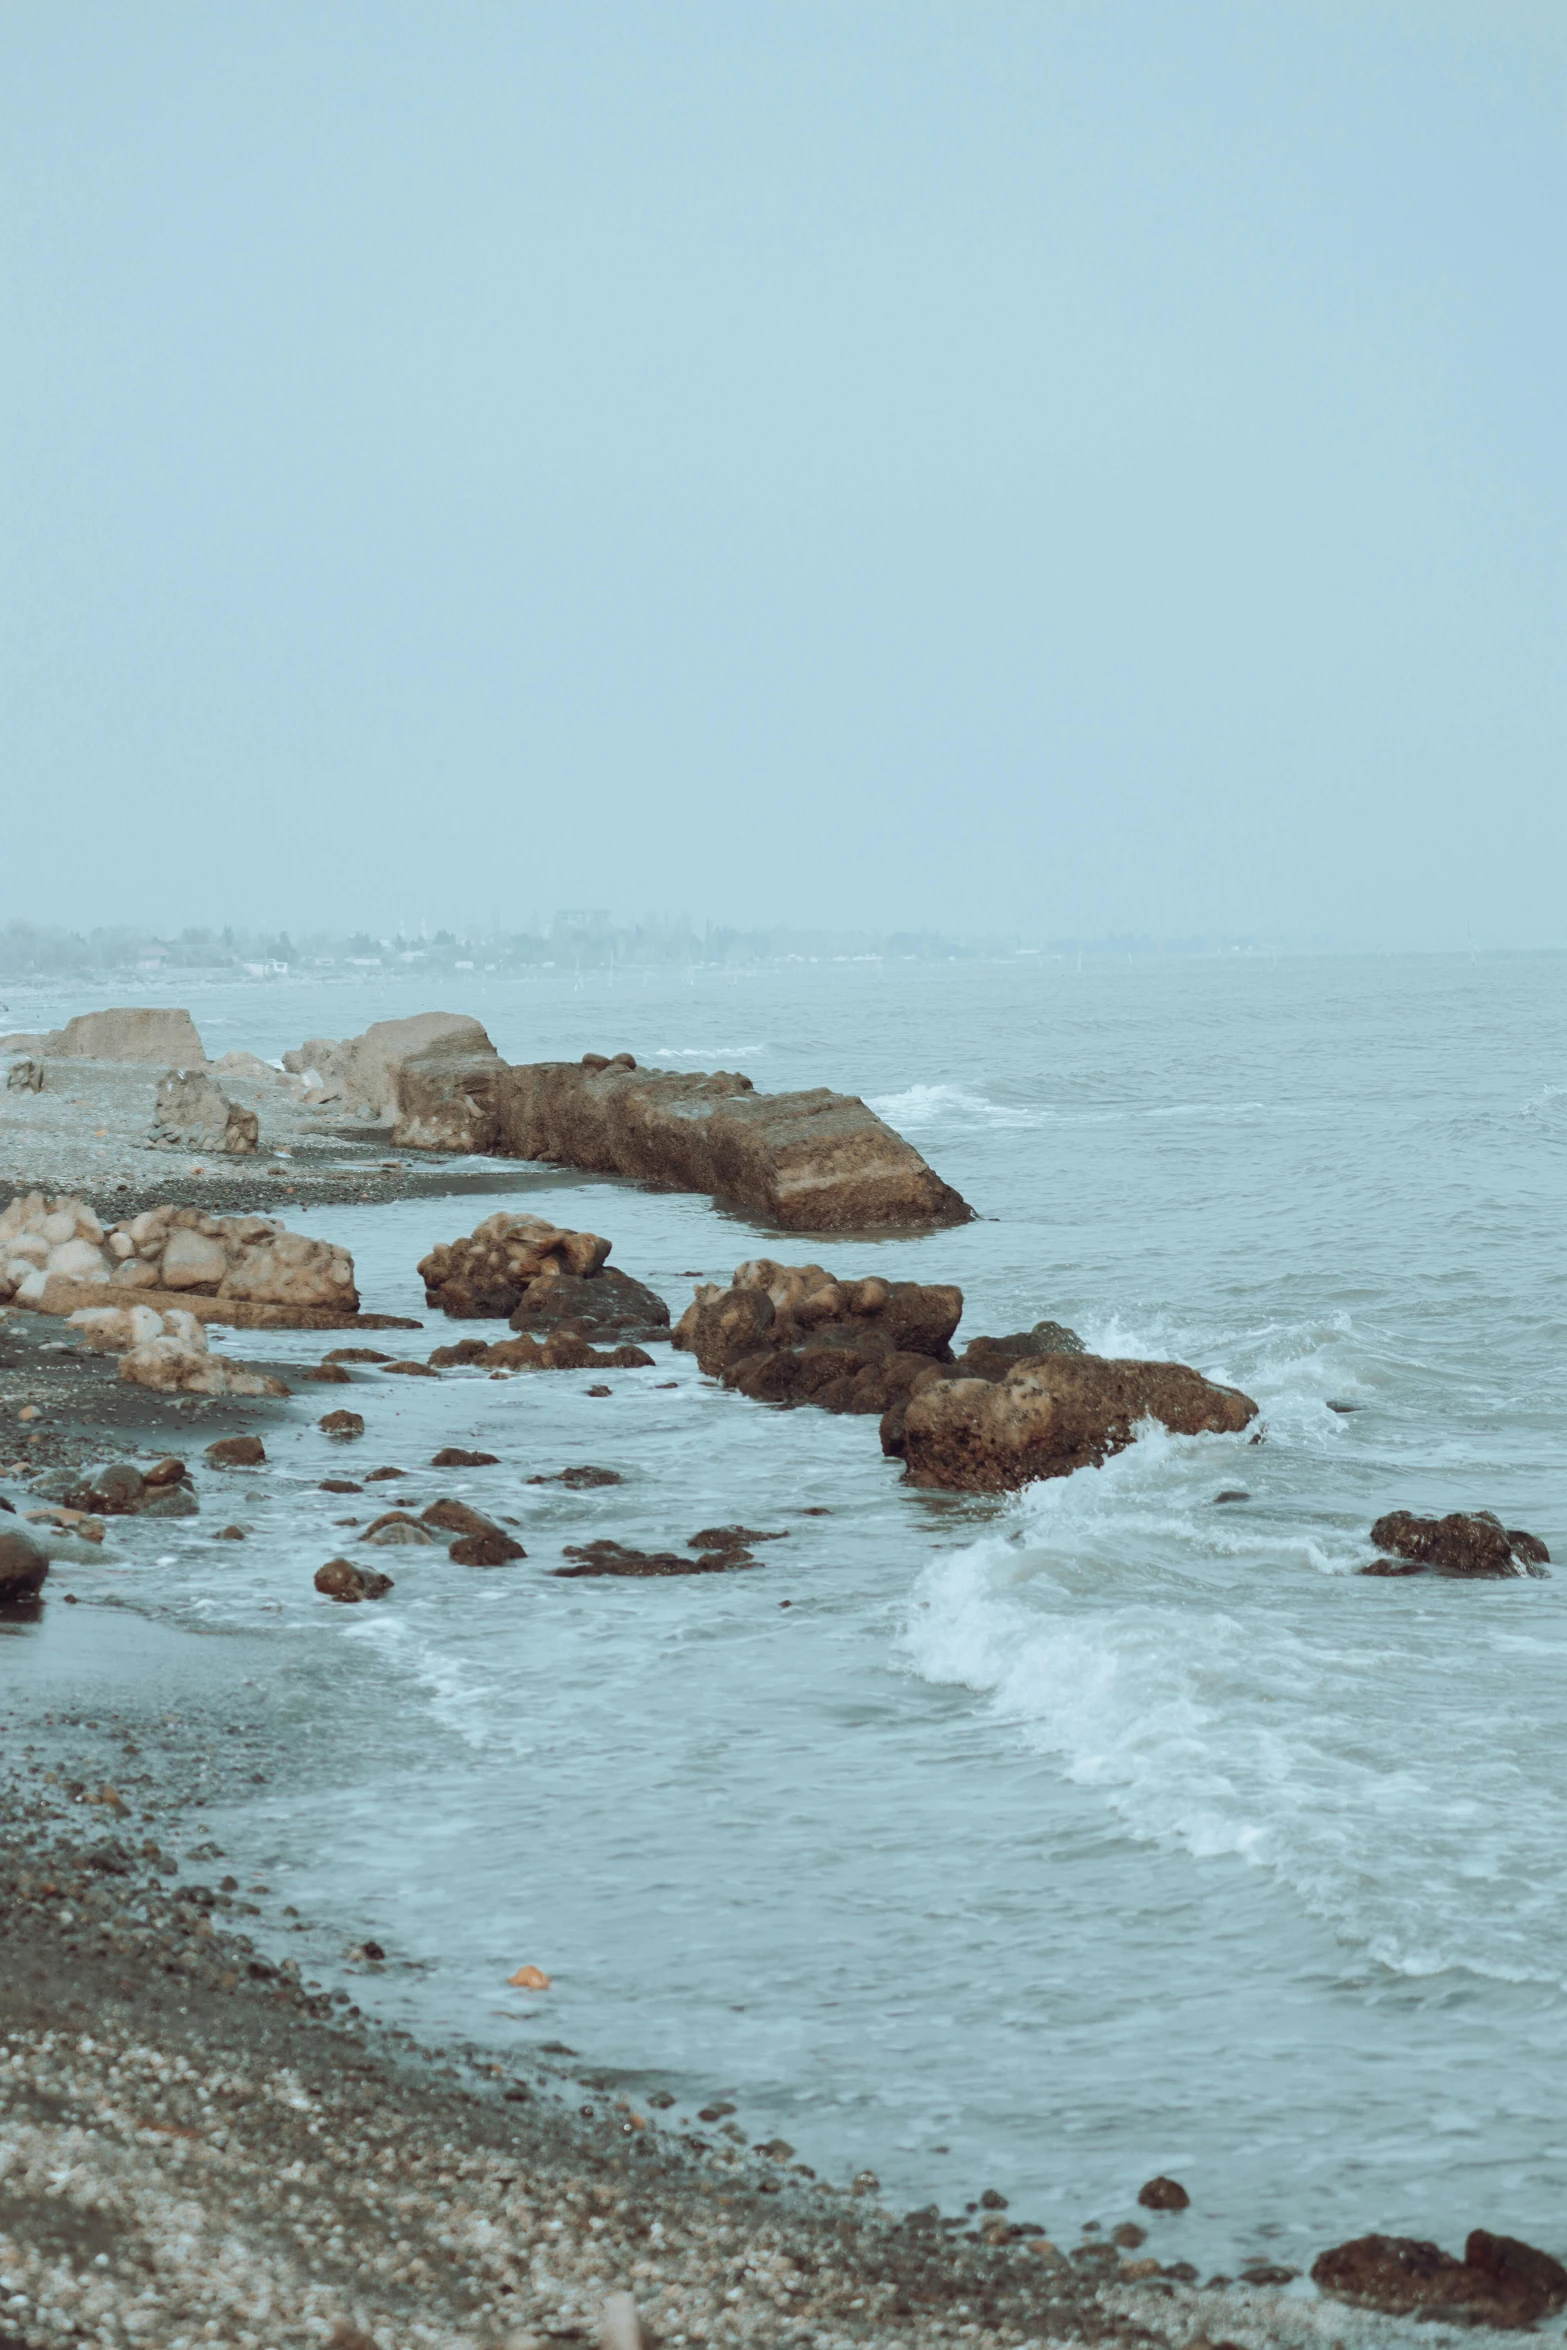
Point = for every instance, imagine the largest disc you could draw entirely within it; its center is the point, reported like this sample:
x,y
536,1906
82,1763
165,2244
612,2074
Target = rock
x,y
446,1097
805,1162
414,1370
719,1538
1473,1543
452,1456
562,1351
1054,1414
359,1354
455,1517
44,1239
194,1113
193,1260
179,1369
341,1424
581,1479
397,1530
1500,2281
290,1268
140,1033
798,1334
609,1304
620,2328
168,1471
237,1452
25,1076
614,1558
362,1075
1162,2194
490,1271
24,1565
486,1550
329,1375
116,1329
992,1358
341,1579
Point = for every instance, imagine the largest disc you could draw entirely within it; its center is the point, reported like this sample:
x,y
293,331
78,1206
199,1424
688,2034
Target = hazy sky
x,y
1065,467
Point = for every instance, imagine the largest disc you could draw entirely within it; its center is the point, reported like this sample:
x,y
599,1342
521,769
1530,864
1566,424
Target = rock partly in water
x,y
344,1425
237,1452
24,1565
1472,1543
798,1334
580,1479
193,1113
456,1456
176,1366
118,1489
1053,1414
616,1558
340,1579
1500,2281
396,1529
542,1278
563,1350
804,1162
1162,2194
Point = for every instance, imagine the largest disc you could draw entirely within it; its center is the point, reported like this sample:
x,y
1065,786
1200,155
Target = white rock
x,y
193,1260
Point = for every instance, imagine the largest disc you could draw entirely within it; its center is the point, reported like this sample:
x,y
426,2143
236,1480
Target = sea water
x,y
1040,1843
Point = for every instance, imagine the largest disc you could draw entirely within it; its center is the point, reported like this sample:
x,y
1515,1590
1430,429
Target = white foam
x,y
952,1106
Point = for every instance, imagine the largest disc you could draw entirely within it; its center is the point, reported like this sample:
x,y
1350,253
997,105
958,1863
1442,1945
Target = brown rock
x,y
329,1374
452,1456
1474,1544
24,1566
1500,2281
341,1424
615,1558
341,1579
357,1354
494,1549
606,1304
1162,2194
805,1162
415,1370
395,1529
168,1471
455,1517
237,1452
582,1478
142,1033
1052,1415
490,1271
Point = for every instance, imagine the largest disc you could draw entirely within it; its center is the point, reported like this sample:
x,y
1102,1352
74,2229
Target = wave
x,y
952,1106
1176,1660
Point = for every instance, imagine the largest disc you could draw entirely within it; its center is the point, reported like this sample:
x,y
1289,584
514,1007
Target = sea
x,y
1038,1844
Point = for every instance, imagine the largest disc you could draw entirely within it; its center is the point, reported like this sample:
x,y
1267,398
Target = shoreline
x,y
51,1974
196,2143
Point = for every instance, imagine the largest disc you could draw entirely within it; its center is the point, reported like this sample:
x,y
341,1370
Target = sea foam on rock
x,y
1051,1414
1467,1543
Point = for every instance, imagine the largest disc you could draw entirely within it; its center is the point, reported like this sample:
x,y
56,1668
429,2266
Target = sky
x,y
1052,469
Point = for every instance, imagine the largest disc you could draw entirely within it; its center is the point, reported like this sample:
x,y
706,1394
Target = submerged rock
x,y
564,1350
1471,1543
615,1558
1500,2281
1051,1415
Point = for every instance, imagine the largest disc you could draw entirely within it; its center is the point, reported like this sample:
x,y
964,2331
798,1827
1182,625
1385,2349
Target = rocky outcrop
x,y
118,1489
806,1162
142,1032
1500,2281
362,1076
797,1334
542,1278
1470,1543
49,1249
180,1365
1050,1415
24,1565
195,1114
116,1330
